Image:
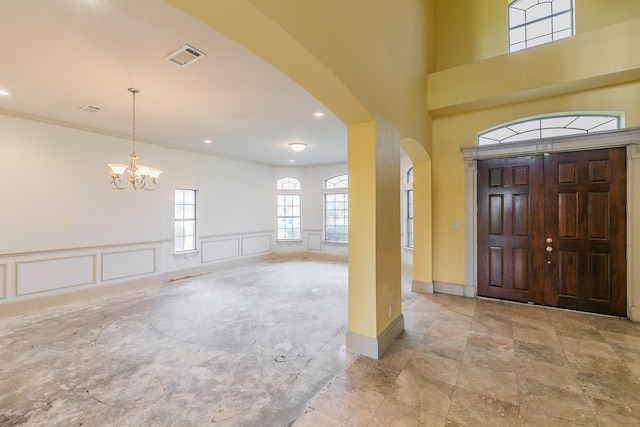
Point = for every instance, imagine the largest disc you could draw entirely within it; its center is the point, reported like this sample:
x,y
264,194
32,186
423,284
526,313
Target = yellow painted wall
x,y
472,30
455,131
600,57
596,70
592,14
469,30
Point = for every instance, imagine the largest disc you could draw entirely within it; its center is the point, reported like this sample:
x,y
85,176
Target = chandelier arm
x,y
115,184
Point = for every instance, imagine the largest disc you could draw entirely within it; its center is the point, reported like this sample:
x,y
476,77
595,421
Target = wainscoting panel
x,y
315,241
117,265
256,245
220,249
3,281
48,274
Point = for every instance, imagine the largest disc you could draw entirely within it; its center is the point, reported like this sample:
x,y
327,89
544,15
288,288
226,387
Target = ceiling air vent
x,y
90,109
186,55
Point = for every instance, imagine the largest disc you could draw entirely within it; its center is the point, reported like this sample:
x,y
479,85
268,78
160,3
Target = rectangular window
x,y
185,220
409,218
336,217
288,217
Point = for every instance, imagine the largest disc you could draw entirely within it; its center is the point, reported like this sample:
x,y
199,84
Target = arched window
x,y
288,183
549,127
336,209
536,22
409,206
288,209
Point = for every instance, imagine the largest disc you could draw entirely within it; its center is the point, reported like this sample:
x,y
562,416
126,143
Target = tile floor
x,y
475,362
263,346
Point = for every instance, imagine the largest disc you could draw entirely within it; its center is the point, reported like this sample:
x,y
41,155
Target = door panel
x,y
552,229
585,215
508,267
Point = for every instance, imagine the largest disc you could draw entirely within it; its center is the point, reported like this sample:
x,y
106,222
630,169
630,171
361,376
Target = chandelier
x,y
137,176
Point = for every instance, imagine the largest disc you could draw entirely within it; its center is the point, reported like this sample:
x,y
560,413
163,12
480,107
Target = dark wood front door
x,y
552,230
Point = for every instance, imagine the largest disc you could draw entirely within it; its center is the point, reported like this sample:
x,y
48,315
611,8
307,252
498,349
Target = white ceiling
x,y
58,56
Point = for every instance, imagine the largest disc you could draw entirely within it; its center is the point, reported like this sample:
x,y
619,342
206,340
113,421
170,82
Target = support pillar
x,y
375,296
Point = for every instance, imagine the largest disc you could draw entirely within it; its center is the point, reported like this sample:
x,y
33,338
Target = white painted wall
x,y
63,230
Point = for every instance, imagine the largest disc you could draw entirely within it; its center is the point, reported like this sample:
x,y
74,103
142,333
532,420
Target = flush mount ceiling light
x,y
139,176
298,146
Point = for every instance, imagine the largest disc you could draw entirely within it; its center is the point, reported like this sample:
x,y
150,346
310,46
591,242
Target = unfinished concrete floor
x,y
264,346
241,347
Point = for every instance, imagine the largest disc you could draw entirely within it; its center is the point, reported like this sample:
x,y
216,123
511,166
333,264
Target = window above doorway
x,y
548,127
536,22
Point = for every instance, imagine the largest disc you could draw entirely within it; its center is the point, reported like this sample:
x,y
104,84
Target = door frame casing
x,y
629,138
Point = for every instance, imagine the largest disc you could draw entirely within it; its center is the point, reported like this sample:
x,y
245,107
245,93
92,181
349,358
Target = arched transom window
x,y
288,183
548,127
535,22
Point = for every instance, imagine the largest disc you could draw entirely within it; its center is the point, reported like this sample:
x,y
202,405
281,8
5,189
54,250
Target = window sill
x,y
186,254
286,241
331,242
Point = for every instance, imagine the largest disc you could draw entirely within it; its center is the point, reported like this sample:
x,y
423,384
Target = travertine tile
x,y
370,374
622,339
554,402
535,336
587,363
490,351
395,413
499,385
625,392
574,348
609,413
434,367
429,395
442,347
612,324
541,353
534,419
343,403
562,377
315,418
473,409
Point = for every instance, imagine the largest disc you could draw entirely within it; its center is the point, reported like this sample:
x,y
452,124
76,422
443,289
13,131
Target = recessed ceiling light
x,y
4,92
291,161
318,114
207,141
298,146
